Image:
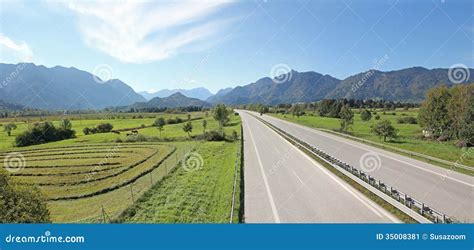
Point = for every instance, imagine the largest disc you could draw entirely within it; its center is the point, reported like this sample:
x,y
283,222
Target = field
x,y
94,178
202,195
409,134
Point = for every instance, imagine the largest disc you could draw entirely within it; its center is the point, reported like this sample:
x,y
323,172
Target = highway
x,y
447,191
284,185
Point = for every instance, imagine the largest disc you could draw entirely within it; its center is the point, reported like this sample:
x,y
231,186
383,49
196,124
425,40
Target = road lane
x,y
448,191
282,184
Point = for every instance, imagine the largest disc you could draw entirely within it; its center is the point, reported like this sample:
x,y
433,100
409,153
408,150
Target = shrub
x,y
407,120
104,127
42,133
365,115
21,204
377,117
212,136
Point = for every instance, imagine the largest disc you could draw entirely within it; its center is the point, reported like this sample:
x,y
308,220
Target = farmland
x,y
409,134
95,177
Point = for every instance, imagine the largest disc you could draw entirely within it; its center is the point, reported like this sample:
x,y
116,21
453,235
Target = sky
x,y
152,45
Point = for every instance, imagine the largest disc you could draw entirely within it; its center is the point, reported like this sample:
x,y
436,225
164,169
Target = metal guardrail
x,y
399,196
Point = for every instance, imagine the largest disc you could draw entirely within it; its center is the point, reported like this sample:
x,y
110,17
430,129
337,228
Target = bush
x,y
365,115
377,117
21,204
212,136
104,127
42,133
407,120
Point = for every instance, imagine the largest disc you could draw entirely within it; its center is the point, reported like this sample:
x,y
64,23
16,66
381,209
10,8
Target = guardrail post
x,y
422,208
444,218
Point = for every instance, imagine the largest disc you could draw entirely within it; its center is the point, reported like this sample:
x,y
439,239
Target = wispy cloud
x,y
139,32
14,51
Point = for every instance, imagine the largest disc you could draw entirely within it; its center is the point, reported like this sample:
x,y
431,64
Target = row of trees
x,y
449,113
101,128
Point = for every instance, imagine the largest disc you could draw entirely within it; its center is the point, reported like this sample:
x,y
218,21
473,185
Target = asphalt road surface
x,y
444,190
282,184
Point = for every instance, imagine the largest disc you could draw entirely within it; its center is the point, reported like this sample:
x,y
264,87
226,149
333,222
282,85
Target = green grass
x,y
409,134
202,195
63,168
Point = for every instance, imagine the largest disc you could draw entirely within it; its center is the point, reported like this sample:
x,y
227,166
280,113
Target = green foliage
x,y
384,129
377,117
65,124
21,204
365,115
449,112
204,125
41,133
330,108
221,115
104,127
407,120
347,118
188,128
9,127
160,123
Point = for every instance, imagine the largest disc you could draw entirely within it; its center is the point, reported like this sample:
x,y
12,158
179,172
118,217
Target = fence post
x,y
151,178
131,192
103,214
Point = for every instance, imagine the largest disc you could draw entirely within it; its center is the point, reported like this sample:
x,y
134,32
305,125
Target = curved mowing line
x,y
69,173
106,190
72,166
76,158
76,153
96,145
100,178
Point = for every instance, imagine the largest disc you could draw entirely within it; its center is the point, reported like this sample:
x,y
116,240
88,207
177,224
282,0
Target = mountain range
x,y
199,93
406,85
173,101
61,88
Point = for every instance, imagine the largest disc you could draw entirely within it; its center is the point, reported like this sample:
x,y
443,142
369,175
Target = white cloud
x,y
143,31
12,51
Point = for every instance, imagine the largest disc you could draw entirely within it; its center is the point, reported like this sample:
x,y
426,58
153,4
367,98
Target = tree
x,y
9,127
434,115
347,118
65,124
20,203
365,115
188,128
160,123
384,129
204,126
221,115
461,113
189,117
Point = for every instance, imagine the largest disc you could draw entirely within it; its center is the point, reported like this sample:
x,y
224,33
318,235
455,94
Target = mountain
x,y
299,87
219,93
61,88
10,106
406,85
199,93
173,101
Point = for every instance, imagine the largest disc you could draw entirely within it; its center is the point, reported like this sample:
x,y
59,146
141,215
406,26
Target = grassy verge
x,y
192,196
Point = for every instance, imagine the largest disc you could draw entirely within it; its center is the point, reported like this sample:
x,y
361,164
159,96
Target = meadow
x,y
410,135
94,178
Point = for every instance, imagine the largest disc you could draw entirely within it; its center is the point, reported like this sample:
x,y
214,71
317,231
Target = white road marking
x,y
421,168
377,210
267,187
298,177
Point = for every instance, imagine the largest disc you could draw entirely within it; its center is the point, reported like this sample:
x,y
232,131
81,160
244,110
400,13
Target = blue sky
x,y
152,45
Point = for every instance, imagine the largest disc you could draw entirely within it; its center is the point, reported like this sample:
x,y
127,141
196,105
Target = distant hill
x,y
61,88
219,93
199,93
409,85
406,85
175,100
6,106
300,87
